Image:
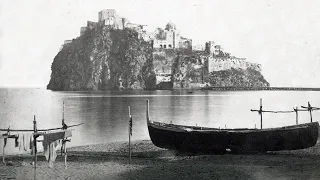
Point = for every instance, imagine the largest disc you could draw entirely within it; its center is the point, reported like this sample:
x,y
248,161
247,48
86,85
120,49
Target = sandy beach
x,y
110,161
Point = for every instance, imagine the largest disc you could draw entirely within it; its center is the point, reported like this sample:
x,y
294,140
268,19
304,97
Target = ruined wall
x,y
91,25
185,43
224,63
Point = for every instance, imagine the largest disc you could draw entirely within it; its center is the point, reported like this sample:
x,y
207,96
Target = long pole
x,y
130,130
310,109
261,111
65,140
3,152
63,111
35,141
65,154
296,110
147,111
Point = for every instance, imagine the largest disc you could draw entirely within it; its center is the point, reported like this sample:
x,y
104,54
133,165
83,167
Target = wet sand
x,y
110,161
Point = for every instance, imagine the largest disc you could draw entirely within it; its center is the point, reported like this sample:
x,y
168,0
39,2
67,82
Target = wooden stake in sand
x,y
296,110
310,109
64,143
3,153
35,141
65,156
4,145
65,140
261,111
130,134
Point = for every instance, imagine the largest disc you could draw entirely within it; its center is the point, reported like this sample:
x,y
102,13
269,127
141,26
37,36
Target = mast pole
x,y
148,111
63,111
260,111
130,130
310,109
35,140
296,110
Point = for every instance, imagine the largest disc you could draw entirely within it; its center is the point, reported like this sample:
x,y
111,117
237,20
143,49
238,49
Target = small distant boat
x,y
213,140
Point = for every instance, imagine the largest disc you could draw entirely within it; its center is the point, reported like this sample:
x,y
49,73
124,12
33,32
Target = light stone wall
x,y
223,63
105,14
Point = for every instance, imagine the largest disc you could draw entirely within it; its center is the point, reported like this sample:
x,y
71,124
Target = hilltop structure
x,y
219,60
173,61
169,38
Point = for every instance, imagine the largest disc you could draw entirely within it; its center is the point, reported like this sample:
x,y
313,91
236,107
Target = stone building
x,y
107,14
218,51
90,25
210,47
170,38
185,43
198,47
109,17
214,49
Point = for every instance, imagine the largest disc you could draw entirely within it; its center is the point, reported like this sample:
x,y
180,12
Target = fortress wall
x,y
224,63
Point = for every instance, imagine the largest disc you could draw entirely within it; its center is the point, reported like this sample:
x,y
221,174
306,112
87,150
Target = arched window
x,y
170,46
165,46
160,45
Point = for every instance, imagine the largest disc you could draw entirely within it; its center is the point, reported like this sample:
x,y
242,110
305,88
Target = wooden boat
x,y
213,140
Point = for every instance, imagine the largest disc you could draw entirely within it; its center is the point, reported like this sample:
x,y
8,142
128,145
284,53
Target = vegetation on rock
x,y
100,59
237,78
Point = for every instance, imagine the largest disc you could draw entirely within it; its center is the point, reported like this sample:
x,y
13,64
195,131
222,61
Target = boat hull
x,y
201,139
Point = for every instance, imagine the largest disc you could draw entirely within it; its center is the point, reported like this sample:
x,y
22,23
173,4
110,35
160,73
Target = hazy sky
x,y
283,36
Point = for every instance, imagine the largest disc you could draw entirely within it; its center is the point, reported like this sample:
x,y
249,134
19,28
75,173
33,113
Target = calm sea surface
x,y
105,114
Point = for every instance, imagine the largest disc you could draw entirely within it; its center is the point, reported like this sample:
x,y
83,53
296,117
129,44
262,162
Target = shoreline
x,y
184,89
110,161
205,89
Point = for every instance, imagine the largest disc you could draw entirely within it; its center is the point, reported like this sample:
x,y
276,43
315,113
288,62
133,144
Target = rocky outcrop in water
x,y
104,59
191,69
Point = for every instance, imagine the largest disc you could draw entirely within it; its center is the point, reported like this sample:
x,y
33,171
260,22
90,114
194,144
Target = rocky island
x,y
114,54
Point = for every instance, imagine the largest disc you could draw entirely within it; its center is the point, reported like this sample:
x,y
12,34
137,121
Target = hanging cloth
x,y
5,142
16,141
50,152
51,143
25,142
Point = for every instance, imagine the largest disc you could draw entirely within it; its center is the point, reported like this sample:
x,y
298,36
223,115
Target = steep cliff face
x,y
103,59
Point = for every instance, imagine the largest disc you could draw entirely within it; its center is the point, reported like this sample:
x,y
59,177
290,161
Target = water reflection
x,y
105,114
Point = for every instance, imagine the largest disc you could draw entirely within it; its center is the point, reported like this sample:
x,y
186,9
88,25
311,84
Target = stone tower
x,y
210,47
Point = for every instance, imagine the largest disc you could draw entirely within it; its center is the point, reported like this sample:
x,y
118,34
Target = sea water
x,y
105,113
